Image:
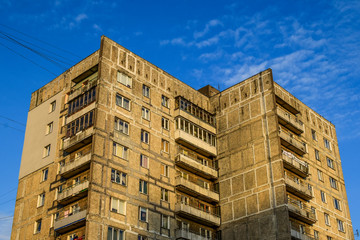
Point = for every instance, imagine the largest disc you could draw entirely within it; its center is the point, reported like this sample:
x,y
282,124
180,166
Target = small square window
x,y
165,101
44,175
122,102
143,186
115,234
41,200
165,170
165,123
164,195
121,126
143,214
330,163
49,128
146,91
118,177
145,136
144,161
37,227
124,79
145,113
52,106
164,146
46,152
118,206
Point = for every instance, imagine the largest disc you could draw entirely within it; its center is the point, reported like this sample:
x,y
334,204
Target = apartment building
x,y
116,148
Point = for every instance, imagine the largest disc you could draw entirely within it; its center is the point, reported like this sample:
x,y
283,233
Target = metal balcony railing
x,y
292,143
289,121
301,211
300,167
298,187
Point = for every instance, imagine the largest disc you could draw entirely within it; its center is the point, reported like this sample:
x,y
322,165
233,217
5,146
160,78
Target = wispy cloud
x,y
210,24
79,18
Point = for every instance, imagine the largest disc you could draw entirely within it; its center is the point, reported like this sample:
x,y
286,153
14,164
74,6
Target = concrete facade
x,y
137,154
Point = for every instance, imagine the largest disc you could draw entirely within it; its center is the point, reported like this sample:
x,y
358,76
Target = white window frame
x,y
320,175
144,161
143,210
317,154
120,233
122,177
47,150
143,186
49,128
327,219
164,170
52,107
118,206
323,196
337,204
340,224
37,226
330,163
165,221
145,113
333,182
165,101
124,79
44,174
123,102
165,146
327,143
121,126
146,91
145,136
164,195
41,200
165,123
124,151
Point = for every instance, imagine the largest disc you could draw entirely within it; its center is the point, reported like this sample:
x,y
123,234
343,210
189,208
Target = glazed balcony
x,y
194,143
78,140
75,166
290,106
197,214
193,188
192,164
294,164
190,235
73,193
79,89
300,211
290,122
70,221
297,187
292,143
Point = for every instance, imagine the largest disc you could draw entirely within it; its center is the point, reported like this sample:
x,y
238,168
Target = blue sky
x,y
312,47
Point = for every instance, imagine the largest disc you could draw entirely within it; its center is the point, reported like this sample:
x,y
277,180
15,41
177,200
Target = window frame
x,y
46,151
330,163
337,204
165,146
327,219
145,136
164,170
164,195
327,143
143,210
165,101
143,186
340,225
119,101
119,236
144,159
317,154
333,182
37,226
323,196
44,174
124,79
49,128
41,200
121,126
146,91
118,202
145,113
165,123
124,151
165,222
122,176
320,175
313,135
52,106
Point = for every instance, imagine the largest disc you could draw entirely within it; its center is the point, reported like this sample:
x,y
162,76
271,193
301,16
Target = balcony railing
x,y
79,140
298,234
291,107
298,187
194,212
294,164
81,88
193,164
292,143
73,192
76,165
194,143
70,220
190,235
290,122
300,211
196,189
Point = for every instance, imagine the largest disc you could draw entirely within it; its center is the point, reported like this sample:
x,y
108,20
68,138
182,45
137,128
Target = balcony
x,y
76,166
194,143
192,164
291,143
300,236
291,107
79,140
290,122
70,221
73,193
198,121
297,187
194,189
197,214
294,164
81,88
298,210
190,235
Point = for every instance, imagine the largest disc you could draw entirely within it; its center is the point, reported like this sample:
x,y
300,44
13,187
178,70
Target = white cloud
x,y
79,18
97,27
210,24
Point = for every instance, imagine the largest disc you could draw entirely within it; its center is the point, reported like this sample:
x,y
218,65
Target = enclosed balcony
x,y
292,143
300,211
73,193
191,235
289,121
297,187
70,219
294,164
84,86
288,105
194,188
76,165
195,164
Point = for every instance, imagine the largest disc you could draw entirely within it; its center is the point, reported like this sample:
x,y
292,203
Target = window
x,y
328,238
313,134
164,195
205,233
317,155
165,123
44,175
144,161
165,222
145,136
320,175
340,225
46,150
145,113
146,91
337,204
165,170
37,226
323,196
120,151
164,146
330,163
327,144
140,237
82,101
49,128
316,235
121,126
196,131
122,102
124,79
165,101
79,124
52,106
41,200
143,186
118,205
143,214
327,219
115,234
310,188
333,183
118,177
